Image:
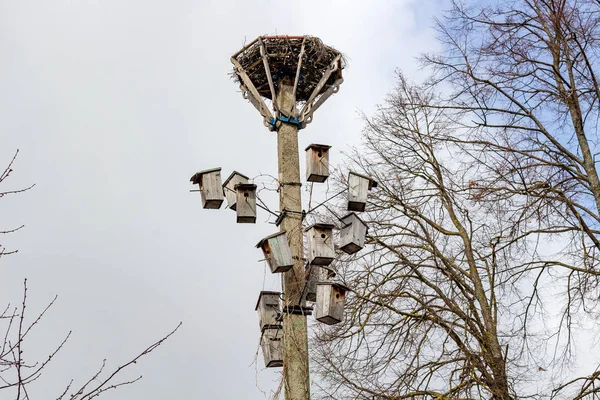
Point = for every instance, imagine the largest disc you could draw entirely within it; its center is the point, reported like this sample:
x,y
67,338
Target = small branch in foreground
x,y
105,385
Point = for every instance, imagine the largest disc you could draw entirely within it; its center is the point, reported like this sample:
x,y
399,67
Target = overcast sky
x,y
114,104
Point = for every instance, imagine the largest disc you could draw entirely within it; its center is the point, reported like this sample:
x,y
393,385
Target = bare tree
x,y
3,177
524,90
17,372
460,295
423,321
483,271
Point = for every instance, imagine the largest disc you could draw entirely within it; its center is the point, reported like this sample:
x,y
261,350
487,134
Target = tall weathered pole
x,y
296,377
290,71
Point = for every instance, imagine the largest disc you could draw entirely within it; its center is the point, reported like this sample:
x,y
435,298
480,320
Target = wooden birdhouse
x,y
271,347
269,310
246,203
358,186
277,252
210,187
317,163
352,234
329,307
229,187
320,244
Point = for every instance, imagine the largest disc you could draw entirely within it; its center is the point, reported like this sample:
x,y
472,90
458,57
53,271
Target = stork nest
x,y
283,53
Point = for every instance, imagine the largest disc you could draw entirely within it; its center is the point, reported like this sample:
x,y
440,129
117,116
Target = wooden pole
x,y
295,338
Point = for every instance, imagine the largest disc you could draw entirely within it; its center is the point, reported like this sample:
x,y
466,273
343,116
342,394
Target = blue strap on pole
x,y
287,120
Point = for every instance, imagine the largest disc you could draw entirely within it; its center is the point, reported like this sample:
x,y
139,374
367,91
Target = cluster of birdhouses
x,y
328,297
317,170
269,319
321,253
240,194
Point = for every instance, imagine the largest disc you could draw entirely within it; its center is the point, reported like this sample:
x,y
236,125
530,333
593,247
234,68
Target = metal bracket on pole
x,y
280,218
285,213
281,184
250,93
298,76
306,112
308,116
265,59
297,310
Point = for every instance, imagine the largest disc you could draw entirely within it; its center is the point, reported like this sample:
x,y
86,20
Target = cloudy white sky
x,y
114,104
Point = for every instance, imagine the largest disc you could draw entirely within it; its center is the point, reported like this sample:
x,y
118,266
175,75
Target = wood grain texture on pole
x,y
295,336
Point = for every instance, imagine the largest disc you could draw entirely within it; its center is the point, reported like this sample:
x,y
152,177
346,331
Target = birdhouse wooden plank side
x,y
358,187
329,308
269,310
352,234
246,203
314,275
276,250
321,250
281,253
211,191
229,188
317,163
272,347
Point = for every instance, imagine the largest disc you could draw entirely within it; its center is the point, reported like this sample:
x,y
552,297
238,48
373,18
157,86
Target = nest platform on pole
x,y
314,68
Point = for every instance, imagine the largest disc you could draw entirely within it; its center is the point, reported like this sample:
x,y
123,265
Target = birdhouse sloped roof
x,y
260,244
320,226
197,177
234,173
356,216
372,182
317,146
262,294
336,285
